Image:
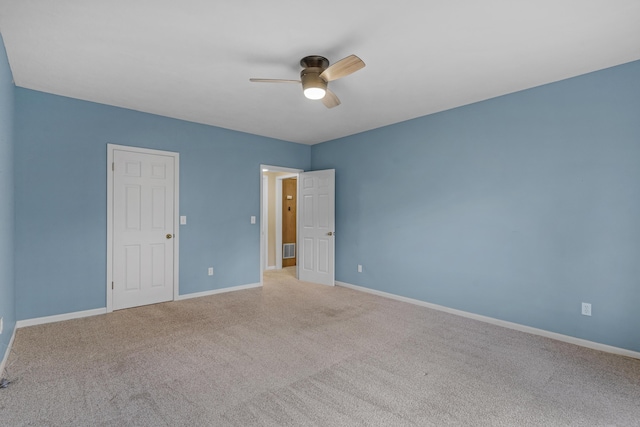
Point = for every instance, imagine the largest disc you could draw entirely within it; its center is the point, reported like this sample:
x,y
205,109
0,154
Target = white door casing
x,y
264,223
143,227
316,227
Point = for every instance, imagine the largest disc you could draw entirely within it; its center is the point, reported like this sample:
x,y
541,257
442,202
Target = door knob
x,y
169,236
331,233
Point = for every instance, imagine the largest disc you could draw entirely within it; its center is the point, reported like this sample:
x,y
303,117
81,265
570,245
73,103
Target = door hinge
x,y
111,285
113,166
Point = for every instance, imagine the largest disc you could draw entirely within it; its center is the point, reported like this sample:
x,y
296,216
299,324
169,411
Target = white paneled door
x,y
316,238
143,228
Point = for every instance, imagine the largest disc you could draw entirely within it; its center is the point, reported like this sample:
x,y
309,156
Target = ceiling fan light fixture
x,y
314,92
317,73
313,86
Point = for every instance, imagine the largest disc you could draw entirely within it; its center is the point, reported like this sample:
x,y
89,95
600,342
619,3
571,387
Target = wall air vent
x,y
288,250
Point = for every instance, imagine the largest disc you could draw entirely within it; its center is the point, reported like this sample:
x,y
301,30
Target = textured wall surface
x,y
7,300
61,198
518,208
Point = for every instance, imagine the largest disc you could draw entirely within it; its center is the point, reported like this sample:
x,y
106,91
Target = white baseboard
x,y
60,317
218,291
510,325
5,358
270,267
97,311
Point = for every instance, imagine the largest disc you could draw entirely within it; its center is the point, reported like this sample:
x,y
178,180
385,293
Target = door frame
x,y
176,216
271,168
264,222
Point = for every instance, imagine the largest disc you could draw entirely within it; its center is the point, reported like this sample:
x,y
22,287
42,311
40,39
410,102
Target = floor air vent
x,y
288,250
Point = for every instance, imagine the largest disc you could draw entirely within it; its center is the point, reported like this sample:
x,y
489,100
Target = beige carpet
x,y
299,354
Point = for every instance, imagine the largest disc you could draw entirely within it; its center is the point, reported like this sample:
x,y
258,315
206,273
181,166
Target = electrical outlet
x,y
210,271
359,268
586,309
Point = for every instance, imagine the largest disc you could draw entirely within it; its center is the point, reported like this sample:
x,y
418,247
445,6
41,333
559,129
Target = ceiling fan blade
x,y
343,68
330,99
274,81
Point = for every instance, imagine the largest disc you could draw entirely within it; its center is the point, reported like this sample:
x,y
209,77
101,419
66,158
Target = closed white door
x,y
143,234
316,244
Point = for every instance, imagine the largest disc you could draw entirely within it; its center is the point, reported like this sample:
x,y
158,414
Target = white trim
x,y
59,317
505,324
264,223
109,297
5,358
176,227
279,224
176,217
98,311
270,267
219,291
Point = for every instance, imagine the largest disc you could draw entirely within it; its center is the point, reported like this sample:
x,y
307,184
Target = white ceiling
x,y
192,59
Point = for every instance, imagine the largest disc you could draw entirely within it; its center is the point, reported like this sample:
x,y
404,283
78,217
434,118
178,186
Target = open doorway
x,y
288,188
277,206
315,234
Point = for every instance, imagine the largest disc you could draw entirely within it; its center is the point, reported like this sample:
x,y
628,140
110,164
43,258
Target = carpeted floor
x,y
298,354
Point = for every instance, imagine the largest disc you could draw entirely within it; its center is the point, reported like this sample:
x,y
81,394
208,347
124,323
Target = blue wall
x,y
7,300
60,178
518,208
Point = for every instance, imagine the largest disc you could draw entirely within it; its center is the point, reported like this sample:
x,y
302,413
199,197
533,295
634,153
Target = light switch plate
x,y
253,219
183,220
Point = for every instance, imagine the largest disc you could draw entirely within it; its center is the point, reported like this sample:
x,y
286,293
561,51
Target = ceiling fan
x,y
317,74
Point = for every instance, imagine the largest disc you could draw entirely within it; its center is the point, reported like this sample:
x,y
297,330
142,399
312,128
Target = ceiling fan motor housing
x,y
311,78
313,66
